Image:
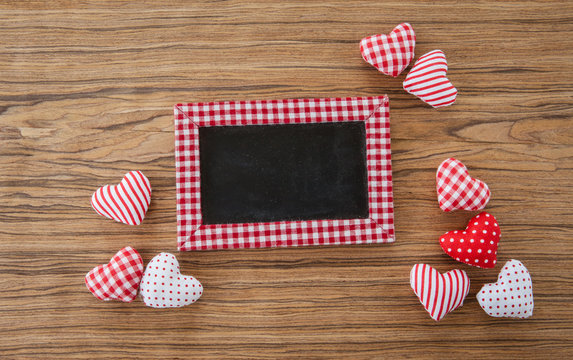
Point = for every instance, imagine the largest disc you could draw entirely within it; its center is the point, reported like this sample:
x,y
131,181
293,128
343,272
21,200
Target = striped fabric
x,y
427,80
127,202
439,293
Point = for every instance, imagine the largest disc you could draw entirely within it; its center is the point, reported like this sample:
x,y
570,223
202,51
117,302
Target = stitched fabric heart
x,y
511,295
163,286
126,202
427,80
457,189
477,244
119,279
439,293
392,53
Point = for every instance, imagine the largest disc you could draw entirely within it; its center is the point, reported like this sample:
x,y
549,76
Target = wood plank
x,y
86,94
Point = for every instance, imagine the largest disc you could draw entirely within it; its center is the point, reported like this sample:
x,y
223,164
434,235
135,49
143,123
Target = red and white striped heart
x,y
427,80
439,293
457,189
392,53
163,286
126,202
118,279
511,295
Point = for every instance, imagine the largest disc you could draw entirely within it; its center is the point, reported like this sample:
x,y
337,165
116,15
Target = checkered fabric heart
x,y
457,189
392,53
127,202
427,80
119,279
163,286
439,293
512,294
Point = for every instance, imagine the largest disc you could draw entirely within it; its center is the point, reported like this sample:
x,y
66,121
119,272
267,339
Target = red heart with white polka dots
x,y
477,244
163,286
511,295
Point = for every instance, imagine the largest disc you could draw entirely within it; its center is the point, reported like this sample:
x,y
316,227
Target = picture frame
x,y
378,227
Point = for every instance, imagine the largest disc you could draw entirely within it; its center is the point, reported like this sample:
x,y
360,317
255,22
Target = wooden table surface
x,y
87,94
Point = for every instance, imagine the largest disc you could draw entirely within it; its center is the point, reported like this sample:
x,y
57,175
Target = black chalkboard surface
x,y
267,173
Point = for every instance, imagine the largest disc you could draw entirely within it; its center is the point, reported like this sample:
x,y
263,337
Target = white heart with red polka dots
x,y
163,286
511,295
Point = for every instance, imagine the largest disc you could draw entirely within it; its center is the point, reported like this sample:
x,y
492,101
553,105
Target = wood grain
x,y
86,94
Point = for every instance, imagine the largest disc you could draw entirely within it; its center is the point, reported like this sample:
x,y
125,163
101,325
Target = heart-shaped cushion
x,y
439,293
511,295
126,202
457,189
392,53
477,244
118,279
163,286
427,80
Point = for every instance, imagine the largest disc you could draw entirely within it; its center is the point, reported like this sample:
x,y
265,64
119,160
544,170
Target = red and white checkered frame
x,y
378,228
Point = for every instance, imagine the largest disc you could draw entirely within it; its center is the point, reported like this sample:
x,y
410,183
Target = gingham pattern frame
x,y
378,228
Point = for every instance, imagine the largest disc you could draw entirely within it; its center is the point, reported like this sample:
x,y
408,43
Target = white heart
x,y
511,295
163,286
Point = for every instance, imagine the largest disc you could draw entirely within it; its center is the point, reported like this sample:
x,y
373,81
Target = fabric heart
x,y
163,285
439,293
127,202
392,53
457,189
427,80
477,244
511,295
119,279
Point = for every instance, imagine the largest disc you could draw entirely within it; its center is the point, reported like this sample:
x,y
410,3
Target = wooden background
x,y
86,94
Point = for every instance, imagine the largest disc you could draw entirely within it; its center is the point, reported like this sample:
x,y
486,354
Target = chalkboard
x,y
268,173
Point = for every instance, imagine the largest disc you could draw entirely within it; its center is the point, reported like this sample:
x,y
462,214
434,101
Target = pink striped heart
x,y
391,53
427,80
439,293
126,202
